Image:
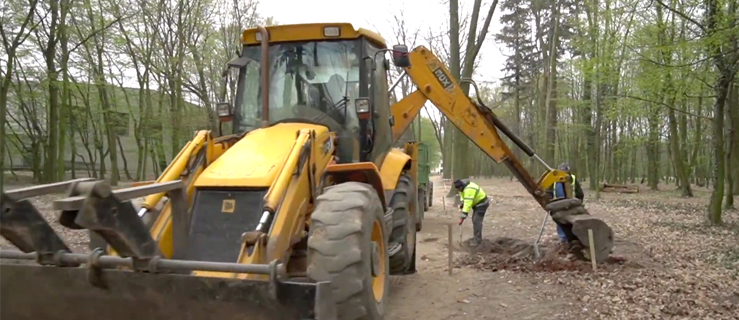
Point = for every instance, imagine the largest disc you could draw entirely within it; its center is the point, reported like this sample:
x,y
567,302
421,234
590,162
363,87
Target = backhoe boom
x,y
479,123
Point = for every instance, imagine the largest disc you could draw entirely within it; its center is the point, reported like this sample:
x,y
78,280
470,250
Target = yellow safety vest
x,y
471,195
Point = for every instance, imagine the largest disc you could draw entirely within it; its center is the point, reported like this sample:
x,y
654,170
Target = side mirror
x,y
400,56
224,111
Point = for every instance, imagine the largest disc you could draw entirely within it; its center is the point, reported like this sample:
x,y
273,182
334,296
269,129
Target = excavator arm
x,y
481,125
435,84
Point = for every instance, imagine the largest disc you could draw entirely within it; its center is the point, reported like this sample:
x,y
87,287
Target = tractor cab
x,y
332,75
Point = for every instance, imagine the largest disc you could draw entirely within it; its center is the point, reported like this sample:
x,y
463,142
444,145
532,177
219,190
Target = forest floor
x,y
667,264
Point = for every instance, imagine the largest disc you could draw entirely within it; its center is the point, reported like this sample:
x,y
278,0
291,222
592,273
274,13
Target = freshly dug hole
x,y
517,255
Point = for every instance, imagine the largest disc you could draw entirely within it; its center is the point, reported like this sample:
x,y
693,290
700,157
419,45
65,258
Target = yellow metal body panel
x,y
256,160
311,32
290,196
548,179
392,166
405,111
366,172
161,230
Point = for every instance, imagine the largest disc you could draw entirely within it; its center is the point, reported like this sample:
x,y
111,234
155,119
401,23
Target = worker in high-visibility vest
x,y
473,199
558,191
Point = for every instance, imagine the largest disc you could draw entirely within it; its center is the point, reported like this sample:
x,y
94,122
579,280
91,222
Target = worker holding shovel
x,y
473,199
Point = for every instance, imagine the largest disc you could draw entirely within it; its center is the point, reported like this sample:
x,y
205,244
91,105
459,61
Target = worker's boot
x,y
576,249
575,245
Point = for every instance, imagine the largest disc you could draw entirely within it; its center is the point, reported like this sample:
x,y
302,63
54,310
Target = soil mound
x,y
516,255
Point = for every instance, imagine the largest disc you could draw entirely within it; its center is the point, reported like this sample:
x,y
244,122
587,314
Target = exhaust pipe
x,y
265,75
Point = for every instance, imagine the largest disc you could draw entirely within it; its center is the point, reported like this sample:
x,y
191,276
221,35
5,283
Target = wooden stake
x,y
591,242
443,199
449,232
449,229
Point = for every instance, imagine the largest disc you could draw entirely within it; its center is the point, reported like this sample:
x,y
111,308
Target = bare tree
x,y
463,68
13,36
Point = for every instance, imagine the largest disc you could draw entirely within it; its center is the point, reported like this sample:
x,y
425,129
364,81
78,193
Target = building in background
x,y
84,121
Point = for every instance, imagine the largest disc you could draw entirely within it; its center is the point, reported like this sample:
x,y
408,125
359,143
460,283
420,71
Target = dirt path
x,y
469,293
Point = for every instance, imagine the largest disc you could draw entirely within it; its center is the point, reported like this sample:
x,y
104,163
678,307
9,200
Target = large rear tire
x,y
347,244
404,227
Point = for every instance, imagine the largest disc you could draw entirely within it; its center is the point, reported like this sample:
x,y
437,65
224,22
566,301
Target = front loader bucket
x,y
36,292
45,280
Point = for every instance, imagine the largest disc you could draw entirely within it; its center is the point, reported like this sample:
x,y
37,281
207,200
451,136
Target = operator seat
x,y
335,87
336,90
313,111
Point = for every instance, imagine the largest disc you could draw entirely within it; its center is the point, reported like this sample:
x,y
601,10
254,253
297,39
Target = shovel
x,y
537,254
460,232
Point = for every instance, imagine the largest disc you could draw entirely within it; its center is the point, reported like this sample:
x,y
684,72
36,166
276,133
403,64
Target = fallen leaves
x,y
671,264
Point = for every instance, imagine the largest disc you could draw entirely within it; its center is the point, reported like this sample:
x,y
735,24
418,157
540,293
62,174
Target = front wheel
x,y
403,236
347,245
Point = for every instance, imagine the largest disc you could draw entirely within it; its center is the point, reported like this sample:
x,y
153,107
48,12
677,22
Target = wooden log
x,y
620,190
606,187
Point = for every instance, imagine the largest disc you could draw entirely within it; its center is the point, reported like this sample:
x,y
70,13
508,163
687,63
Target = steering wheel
x,y
341,105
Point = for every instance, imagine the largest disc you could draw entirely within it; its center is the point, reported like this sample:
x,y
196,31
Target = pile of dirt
x,y
517,255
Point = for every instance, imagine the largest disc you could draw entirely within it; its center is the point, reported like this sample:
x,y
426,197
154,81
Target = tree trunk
x,y
551,82
65,95
733,111
719,168
730,128
458,154
52,119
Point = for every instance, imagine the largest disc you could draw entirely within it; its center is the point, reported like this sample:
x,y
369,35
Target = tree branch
x,y
659,103
485,27
684,16
95,32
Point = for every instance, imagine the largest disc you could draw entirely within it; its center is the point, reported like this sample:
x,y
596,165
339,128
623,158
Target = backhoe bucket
x,y
36,292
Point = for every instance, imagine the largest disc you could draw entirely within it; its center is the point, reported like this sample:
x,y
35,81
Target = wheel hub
x,y
375,259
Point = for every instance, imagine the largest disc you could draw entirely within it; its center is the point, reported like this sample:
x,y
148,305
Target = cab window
x,y
381,100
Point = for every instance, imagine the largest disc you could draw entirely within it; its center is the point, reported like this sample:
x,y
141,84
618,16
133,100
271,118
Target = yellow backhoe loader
x,y
302,213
